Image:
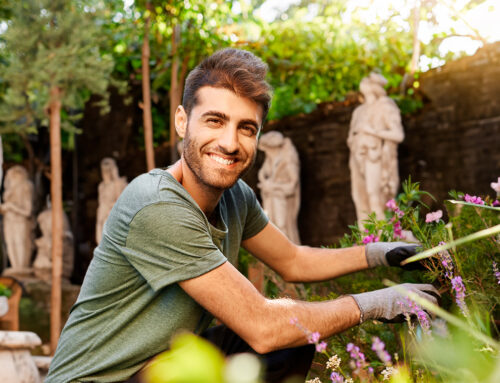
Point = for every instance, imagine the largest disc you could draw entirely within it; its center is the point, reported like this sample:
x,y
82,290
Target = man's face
x,y
220,140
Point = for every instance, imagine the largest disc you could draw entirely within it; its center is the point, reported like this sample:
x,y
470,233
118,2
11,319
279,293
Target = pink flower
x,y
496,203
391,204
496,186
320,347
473,199
356,355
294,321
433,216
398,230
370,238
313,337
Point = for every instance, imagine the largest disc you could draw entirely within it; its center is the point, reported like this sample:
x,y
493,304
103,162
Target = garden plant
x,y
456,342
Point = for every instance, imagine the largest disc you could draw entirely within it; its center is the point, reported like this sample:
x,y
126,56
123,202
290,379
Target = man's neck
x,y
206,197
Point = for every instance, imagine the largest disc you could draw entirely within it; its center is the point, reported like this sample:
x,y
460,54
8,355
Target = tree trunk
x,y
1,166
57,215
146,96
175,98
416,42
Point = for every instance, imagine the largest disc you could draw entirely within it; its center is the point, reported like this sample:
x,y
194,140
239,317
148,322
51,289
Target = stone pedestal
x,y
16,362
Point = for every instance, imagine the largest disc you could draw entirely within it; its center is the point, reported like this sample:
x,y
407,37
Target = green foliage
x,y
449,353
192,359
5,291
51,43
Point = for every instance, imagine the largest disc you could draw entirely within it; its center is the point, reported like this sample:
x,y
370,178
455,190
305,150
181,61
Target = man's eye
x,y
213,121
249,130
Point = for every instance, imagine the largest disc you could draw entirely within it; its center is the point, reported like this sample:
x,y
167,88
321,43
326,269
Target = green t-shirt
x,y
130,303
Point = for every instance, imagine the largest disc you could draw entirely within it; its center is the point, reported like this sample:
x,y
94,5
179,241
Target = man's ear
x,y
181,121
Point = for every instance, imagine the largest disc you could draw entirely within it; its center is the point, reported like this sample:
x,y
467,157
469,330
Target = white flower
x,y
315,380
349,380
333,363
388,372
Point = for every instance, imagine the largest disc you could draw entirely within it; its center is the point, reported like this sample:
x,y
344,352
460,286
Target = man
x,y
170,243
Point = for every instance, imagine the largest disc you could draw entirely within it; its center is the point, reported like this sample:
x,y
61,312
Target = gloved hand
x,y
391,254
389,305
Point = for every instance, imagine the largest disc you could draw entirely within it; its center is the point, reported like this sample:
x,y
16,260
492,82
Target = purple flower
x,y
370,238
473,199
335,377
433,216
409,307
313,337
447,262
459,289
370,370
496,272
379,347
356,355
320,347
496,203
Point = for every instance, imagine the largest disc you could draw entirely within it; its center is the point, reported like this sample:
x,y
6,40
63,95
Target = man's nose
x,y
228,140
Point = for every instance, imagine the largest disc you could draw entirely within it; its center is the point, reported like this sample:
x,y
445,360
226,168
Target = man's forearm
x,y
327,318
315,264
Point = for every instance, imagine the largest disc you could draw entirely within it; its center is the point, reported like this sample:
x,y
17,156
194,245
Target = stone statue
x,y
279,183
43,262
374,135
109,190
18,222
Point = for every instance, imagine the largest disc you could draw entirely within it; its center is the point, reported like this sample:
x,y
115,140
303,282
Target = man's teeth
x,y
221,160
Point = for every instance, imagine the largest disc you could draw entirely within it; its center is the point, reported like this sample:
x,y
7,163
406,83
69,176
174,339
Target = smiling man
x,y
166,262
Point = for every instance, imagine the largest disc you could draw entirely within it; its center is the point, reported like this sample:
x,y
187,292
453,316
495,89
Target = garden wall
x,y
452,143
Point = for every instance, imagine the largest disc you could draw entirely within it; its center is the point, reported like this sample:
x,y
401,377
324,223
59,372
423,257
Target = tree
x,y
53,64
146,92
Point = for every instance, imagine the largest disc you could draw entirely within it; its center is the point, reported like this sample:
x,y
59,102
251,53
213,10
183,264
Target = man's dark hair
x,y
237,70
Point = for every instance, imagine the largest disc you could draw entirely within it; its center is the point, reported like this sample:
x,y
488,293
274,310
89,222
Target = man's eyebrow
x,y
215,113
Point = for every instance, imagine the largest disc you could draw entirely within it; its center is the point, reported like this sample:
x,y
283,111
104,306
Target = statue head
x,y
15,176
44,220
109,170
271,140
373,85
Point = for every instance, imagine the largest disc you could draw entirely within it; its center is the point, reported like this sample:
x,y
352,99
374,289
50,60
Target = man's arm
x,y
263,323
302,263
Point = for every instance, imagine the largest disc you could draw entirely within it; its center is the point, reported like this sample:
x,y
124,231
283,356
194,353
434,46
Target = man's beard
x,y
219,179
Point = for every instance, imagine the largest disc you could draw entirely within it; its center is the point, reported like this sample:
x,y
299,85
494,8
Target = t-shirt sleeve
x,y
169,242
256,218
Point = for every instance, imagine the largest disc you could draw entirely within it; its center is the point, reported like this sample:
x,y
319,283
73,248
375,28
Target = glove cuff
x,y
361,301
376,252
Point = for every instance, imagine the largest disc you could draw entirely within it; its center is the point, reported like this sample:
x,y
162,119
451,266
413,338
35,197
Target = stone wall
x,y
452,143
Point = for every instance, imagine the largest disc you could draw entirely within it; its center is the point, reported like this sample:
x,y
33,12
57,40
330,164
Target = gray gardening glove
x,y
389,305
392,254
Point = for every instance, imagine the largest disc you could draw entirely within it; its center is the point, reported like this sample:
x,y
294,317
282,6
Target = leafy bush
x,y
461,259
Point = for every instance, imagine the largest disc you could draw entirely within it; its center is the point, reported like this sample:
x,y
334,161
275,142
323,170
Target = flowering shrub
x,y
463,242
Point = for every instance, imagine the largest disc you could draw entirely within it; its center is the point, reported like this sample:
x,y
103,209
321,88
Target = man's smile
x,y
222,160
